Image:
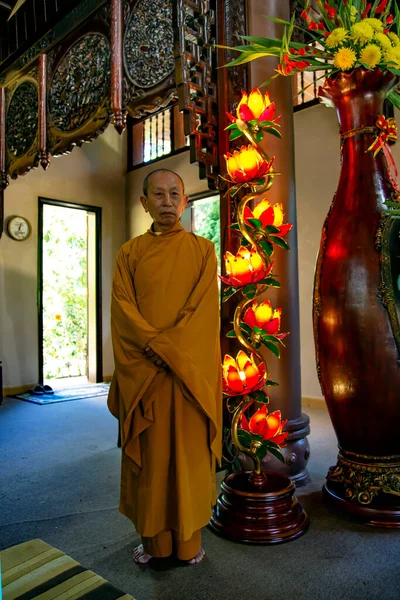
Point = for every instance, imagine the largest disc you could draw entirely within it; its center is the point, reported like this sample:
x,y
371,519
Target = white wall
x,y
94,175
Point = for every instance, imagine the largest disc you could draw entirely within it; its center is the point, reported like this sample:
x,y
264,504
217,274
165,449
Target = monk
x,y
166,388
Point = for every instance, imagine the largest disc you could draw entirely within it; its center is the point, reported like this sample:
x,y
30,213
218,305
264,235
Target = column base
x,y
366,487
258,509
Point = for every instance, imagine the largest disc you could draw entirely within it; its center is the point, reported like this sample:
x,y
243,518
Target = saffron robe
x,y
165,296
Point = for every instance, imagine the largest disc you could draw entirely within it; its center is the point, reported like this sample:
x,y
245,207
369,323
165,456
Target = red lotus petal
x,y
280,438
249,317
248,214
272,327
281,336
284,229
245,113
231,117
267,217
226,280
233,381
268,113
258,420
244,424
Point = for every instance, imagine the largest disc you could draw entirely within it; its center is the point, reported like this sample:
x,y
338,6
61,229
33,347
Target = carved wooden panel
x,y
22,134
78,91
148,55
196,81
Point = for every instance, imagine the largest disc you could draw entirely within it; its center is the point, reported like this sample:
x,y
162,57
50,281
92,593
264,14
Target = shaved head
x,y
148,176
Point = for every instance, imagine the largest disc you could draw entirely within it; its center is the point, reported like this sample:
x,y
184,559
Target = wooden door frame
x,y
99,329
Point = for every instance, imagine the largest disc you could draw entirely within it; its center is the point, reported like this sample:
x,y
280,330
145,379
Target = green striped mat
x,y
35,569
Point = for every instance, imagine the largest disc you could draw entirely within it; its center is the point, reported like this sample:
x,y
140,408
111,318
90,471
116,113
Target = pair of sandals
x,y
40,390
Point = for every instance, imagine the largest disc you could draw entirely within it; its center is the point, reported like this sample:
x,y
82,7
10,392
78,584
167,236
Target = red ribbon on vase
x,y
387,132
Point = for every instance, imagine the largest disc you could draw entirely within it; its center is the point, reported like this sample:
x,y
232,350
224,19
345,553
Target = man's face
x,y
165,199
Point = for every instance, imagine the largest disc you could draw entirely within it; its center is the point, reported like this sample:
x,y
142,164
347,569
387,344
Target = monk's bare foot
x,y
140,557
198,558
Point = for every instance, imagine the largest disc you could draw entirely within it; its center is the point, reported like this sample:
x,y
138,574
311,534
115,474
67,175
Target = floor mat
x,y
35,569
76,393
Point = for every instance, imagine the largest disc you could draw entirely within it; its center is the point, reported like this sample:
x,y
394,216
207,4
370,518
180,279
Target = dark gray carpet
x,y
59,479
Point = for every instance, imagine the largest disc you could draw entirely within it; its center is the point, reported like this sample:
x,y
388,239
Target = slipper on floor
x,y
47,389
37,390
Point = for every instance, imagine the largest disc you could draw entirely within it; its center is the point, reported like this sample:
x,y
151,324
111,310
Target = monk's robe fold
x,y
165,296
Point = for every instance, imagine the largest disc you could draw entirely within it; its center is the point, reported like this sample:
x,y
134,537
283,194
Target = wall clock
x,y
19,228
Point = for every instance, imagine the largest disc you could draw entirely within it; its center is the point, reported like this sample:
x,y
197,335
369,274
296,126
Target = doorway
x,y
69,293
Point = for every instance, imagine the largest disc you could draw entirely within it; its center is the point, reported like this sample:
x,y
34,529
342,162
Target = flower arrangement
x,y
249,272
343,35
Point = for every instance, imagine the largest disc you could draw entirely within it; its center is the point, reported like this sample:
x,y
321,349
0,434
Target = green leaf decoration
x,y
253,122
273,131
231,126
271,281
233,403
258,330
267,247
274,349
261,452
255,222
246,328
259,137
235,134
231,334
244,437
273,339
244,242
260,397
250,291
272,229
279,242
275,452
269,382
263,42
235,226
228,293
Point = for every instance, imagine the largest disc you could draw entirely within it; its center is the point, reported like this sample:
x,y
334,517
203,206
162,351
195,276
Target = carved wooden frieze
x,y
118,112
79,89
43,155
148,56
196,81
3,171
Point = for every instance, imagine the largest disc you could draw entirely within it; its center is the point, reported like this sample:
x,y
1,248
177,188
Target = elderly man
x,y
166,389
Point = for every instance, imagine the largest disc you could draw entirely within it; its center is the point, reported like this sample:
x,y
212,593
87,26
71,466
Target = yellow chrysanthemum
x,y
370,56
392,57
376,24
394,38
383,41
336,37
362,33
344,59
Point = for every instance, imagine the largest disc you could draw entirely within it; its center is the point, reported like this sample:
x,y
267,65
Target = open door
x,y
69,293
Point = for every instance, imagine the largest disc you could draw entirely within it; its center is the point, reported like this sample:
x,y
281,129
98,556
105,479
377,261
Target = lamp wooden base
x,y
258,509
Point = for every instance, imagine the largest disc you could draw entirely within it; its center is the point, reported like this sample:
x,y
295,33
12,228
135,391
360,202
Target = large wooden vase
x,y
356,304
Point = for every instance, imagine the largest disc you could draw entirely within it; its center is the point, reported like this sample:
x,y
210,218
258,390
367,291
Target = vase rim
x,y
349,82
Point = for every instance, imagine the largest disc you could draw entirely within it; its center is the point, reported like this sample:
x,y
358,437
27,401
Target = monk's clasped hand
x,y
155,359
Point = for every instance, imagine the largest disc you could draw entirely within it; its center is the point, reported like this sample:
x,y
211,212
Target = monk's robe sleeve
x,y
132,330
133,371
192,347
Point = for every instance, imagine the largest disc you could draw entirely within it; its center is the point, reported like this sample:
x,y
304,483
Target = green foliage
x,y
207,221
64,292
